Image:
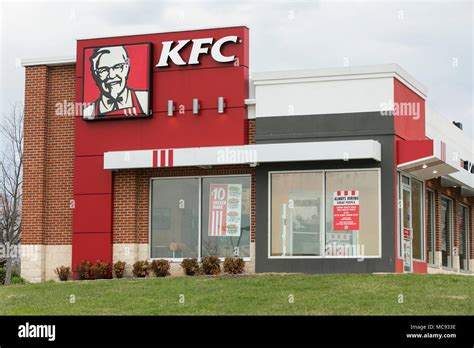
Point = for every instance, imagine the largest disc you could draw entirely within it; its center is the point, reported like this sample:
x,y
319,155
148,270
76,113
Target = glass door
x,y
407,235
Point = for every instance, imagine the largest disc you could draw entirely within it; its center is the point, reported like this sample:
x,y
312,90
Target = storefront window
x,y
216,207
340,218
464,238
226,216
353,227
417,218
296,217
175,218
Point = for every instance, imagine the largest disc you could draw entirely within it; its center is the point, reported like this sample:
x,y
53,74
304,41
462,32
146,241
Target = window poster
x,y
346,210
225,208
406,247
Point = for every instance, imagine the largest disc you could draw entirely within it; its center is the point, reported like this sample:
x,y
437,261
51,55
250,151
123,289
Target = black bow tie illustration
x,y
114,102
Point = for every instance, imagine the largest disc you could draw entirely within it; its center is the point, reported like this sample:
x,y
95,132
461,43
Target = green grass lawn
x,y
243,295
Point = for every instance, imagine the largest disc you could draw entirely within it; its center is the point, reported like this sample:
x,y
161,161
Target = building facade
x,y
161,146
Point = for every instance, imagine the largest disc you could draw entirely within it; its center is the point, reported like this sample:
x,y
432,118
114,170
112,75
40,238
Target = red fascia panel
x,y
91,247
208,128
409,121
90,176
92,213
420,267
412,150
205,85
398,265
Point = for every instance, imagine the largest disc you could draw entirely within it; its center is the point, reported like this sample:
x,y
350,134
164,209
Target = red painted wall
x,y
411,126
411,144
92,218
411,150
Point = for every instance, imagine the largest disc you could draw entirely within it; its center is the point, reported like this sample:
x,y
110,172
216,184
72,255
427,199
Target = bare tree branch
x,y
11,178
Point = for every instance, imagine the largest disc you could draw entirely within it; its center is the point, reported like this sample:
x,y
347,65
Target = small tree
x,y
11,176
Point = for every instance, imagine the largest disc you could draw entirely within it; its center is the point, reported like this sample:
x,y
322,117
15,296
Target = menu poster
x,y
225,208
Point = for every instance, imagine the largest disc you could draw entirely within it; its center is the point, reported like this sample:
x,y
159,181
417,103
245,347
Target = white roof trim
x,y
51,61
344,73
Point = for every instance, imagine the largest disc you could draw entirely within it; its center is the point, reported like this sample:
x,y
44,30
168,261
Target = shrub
x,y
161,268
3,273
234,265
18,280
140,269
210,265
63,272
83,270
119,269
101,270
190,266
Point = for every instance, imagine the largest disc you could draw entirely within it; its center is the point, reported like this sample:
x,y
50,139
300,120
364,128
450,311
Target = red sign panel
x,y
406,233
117,81
346,210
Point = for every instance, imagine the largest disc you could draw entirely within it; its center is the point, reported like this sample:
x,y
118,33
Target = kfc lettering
x,y
173,53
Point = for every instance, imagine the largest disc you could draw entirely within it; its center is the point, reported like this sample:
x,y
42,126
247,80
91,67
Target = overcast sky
x,y
432,40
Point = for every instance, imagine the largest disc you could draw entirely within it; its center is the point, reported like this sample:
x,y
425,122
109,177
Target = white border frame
x,y
323,211
199,177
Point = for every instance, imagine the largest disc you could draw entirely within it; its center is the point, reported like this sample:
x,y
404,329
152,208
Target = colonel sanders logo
x,y
108,90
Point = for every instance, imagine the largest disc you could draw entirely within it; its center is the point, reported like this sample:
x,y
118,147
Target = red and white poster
x,y
346,210
117,81
406,247
225,205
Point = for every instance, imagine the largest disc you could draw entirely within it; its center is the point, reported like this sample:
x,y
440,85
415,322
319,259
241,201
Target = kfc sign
x,y
117,82
117,79
198,48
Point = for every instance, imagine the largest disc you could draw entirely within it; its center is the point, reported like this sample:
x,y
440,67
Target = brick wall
x,y
252,130
455,195
48,156
131,198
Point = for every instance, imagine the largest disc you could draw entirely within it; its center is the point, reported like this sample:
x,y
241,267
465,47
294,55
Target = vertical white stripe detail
x,y
159,158
220,224
211,227
166,158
